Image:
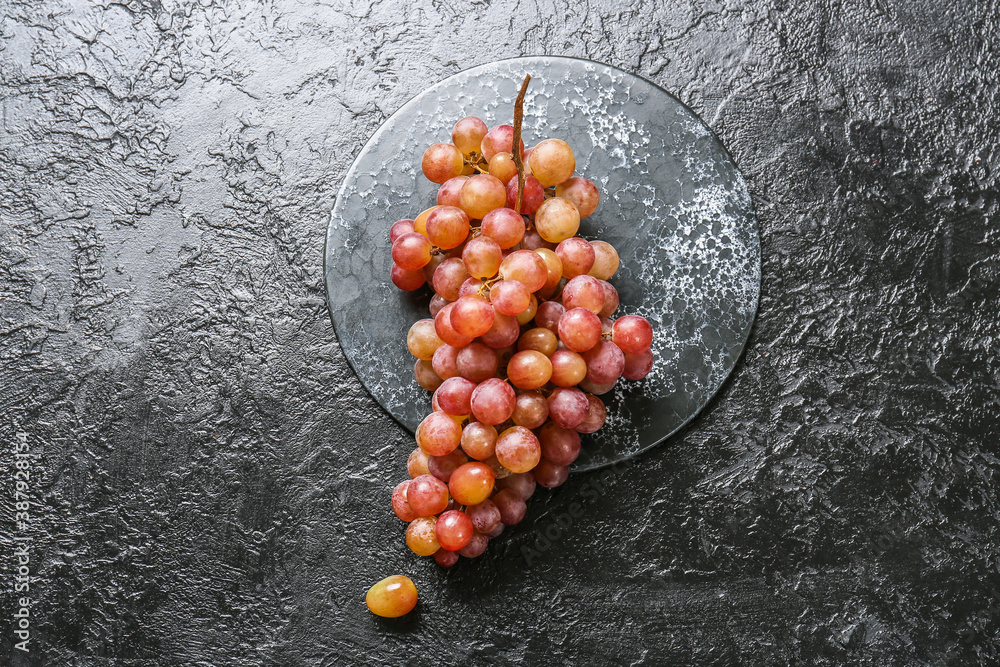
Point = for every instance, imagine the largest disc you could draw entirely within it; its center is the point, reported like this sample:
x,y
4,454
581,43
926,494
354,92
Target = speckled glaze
x,y
211,481
672,203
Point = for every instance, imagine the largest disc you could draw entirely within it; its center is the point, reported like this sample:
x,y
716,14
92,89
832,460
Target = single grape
x,y
581,192
528,314
411,251
638,366
445,361
416,464
442,467
568,407
407,281
455,396
470,286
471,483
493,402
584,292
550,475
449,277
423,372
505,226
518,449
579,329
553,266
479,440
400,505
568,368
477,362
556,220
502,166
476,546
437,303
450,192
605,362
399,228
453,530
472,315
532,241
522,484
485,516
481,194
539,339
533,197
552,162
610,300
441,162
605,260
392,597
525,266
633,334
500,139
510,297
421,536
596,415
446,558
427,495
559,445
529,369
432,266
498,531
420,222
576,255
438,434
502,333
467,135
511,505
446,332
447,227
549,314
422,340
530,409
597,389
482,257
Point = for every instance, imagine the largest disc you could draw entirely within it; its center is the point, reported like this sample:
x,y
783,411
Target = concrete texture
x,y
210,482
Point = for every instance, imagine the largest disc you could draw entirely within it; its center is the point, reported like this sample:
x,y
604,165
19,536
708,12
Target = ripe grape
x,y
598,389
552,162
505,226
533,197
392,597
503,333
576,256
530,409
579,329
496,532
447,227
610,300
581,192
453,530
528,313
482,256
568,368
605,362
449,278
471,483
637,366
470,286
446,558
485,516
633,334
472,315
525,266
500,139
445,361
605,260
539,339
479,440
441,162
477,362
399,228
584,292
449,194
556,219
400,505
529,369
510,297
446,332
437,303
532,241
511,505
422,340
559,445
467,135
596,414
548,315
421,536
438,434
518,449
442,467
567,407
493,402
553,266
420,222
481,194
427,495
416,464
411,251
423,372
502,166
550,475
407,280
455,396
522,484
476,546
430,267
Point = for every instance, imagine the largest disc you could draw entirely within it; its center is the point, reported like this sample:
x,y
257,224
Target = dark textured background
x,y
211,481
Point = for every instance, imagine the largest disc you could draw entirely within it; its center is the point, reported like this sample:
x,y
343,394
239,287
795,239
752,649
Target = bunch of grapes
x,y
520,342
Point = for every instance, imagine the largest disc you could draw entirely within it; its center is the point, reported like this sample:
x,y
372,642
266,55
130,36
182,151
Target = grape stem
x,y
515,146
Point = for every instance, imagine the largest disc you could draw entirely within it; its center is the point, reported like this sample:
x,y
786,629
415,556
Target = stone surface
x,y
673,204
211,481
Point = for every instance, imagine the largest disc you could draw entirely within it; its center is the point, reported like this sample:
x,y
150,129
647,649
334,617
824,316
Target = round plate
x,y
673,204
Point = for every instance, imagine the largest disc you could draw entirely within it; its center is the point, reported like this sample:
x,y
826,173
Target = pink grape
x,y
485,516
539,339
550,475
553,266
401,506
482,257
568,368
493,402
500,139
518,449
528,313
449,194
596,414
510,297
504,226
605,260
411,251
638,366
610,300
552,162
522,484
449,277
437,303
443,466
511,505
481,194
584,292
530,409
559,445
529,369
438,434
399,228
548,315
502,166
407,281
423,373
597,389
447,227
479,440
454,530
446,332
471,483
416,464
568,407
477,362
420,536
470,286
633,334
605,362
422,340
527,267
472,315
468,133
576,256
455,396
441,162
581,192
556,219
502,333
427,495
579,329
532,241
476,546
533,197
445,361
446,558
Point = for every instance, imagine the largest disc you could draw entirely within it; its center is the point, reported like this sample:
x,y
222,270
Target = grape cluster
x,y
520,342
